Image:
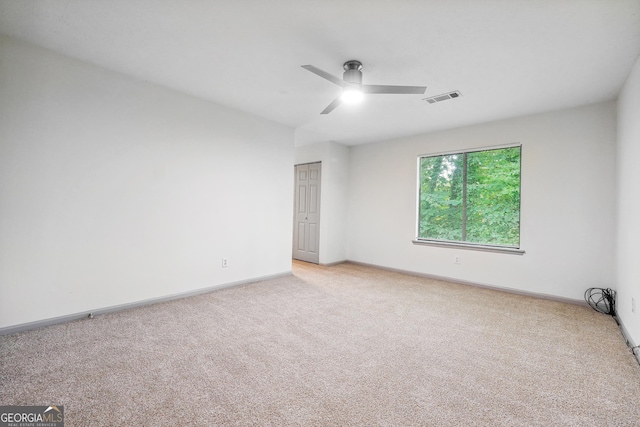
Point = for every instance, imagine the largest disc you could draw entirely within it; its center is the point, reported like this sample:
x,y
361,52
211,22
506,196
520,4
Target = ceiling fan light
x,y
352,95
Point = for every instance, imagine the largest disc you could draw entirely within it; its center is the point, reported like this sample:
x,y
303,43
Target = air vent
x,y
443,97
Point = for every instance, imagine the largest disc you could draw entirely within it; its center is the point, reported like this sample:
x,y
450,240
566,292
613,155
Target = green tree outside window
x,y
471,197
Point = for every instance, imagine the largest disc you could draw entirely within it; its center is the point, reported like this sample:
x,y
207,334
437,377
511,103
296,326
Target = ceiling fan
x,y
352,87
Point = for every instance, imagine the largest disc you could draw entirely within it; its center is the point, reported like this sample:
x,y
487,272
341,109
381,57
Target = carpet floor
x,y
345,345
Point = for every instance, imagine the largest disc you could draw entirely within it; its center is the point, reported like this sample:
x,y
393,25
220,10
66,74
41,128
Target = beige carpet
x,y
332,346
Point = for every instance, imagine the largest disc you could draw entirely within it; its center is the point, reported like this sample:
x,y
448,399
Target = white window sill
x,y
469,246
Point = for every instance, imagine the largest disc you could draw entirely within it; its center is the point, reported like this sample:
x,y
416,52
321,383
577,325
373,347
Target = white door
x,y
306,220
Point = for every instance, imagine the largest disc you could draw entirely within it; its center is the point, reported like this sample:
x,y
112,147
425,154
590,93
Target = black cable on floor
x,y
636,355
604,301
601,300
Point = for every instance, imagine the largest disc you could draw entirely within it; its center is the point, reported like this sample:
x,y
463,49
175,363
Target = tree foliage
x,y
490,214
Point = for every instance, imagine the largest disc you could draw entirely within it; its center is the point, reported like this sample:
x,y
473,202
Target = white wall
x,y
567,206
333,193
113,190
628,212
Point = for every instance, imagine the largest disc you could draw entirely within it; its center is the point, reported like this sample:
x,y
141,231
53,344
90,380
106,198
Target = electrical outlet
x,y
633,305
456,259
225,262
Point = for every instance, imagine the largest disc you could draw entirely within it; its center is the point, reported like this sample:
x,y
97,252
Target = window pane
x,y
471,197
441,197
493,197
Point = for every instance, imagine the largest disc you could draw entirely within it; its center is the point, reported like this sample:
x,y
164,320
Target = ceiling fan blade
x,y
332,106
393,89
325,75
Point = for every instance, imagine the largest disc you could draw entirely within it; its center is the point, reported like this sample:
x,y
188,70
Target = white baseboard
x,y
632,345
104,310
478,285
331,264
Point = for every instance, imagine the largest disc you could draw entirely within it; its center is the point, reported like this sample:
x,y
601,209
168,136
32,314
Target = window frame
x,y
509,249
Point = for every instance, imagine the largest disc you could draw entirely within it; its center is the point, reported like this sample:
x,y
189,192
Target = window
x,y
470,198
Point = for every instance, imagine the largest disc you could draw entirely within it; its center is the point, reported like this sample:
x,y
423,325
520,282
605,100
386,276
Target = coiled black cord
x,y
604,301
601,300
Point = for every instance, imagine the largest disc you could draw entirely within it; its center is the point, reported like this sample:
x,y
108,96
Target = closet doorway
x,y
306,218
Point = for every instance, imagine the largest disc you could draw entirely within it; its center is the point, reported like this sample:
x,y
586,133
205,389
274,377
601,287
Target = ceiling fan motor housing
x,y
352,72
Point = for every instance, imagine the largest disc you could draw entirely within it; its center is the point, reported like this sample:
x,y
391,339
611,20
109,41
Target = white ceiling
x,y
507,57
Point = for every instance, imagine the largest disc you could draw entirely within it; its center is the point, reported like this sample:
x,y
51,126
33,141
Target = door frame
x,y
296,254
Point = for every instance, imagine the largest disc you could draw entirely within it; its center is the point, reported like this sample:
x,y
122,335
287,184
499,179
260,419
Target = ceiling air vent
x,y
443,97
